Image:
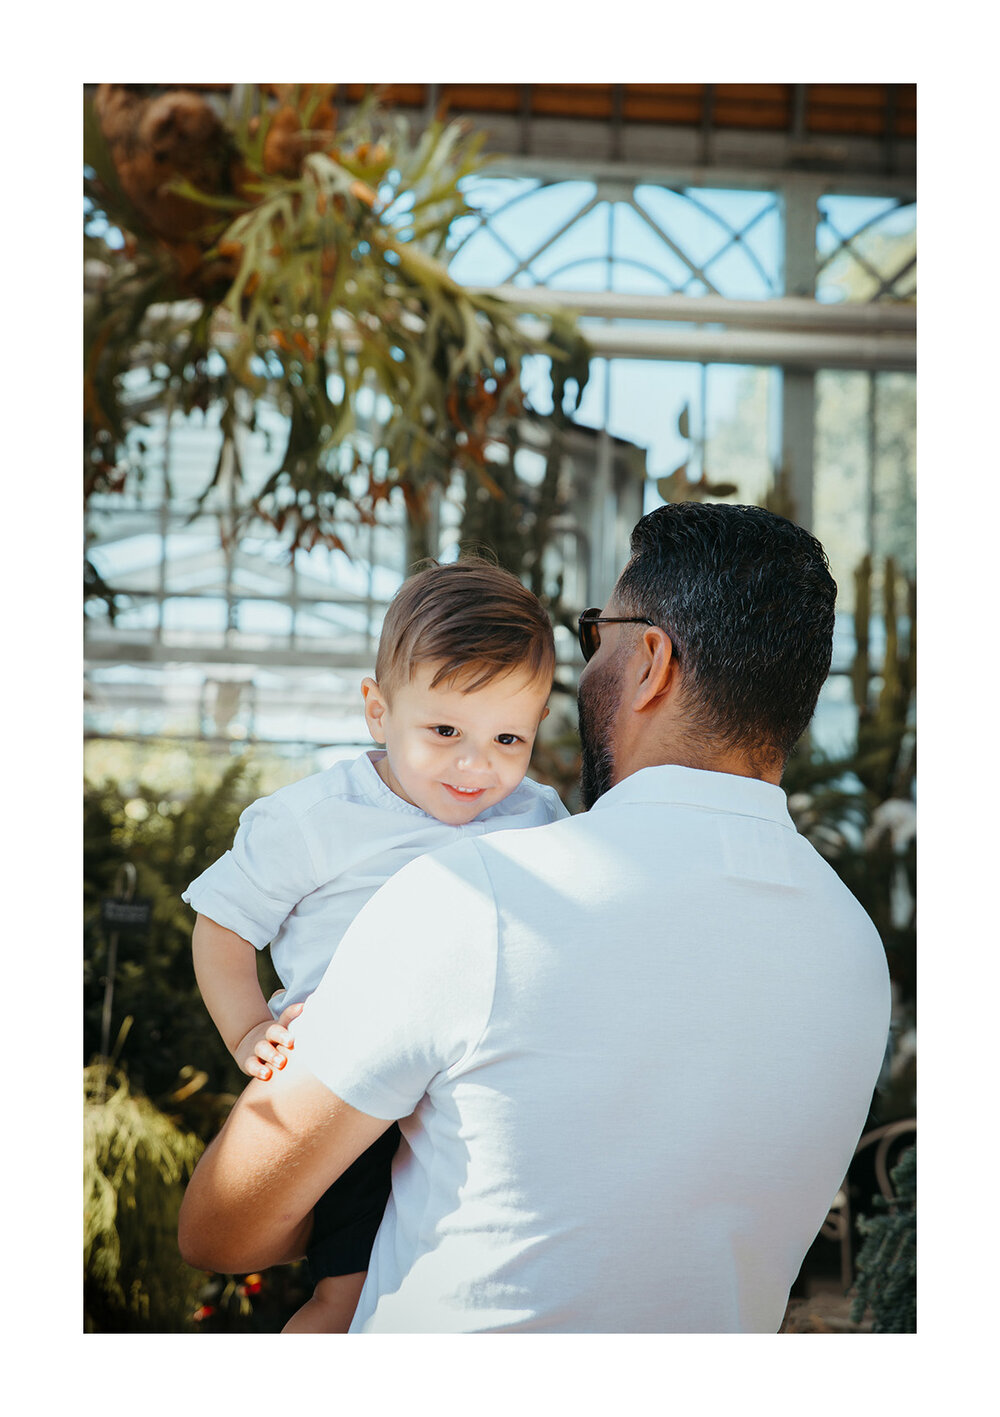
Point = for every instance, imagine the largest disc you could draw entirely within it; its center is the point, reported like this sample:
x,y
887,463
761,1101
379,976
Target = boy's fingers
x,y
270,1056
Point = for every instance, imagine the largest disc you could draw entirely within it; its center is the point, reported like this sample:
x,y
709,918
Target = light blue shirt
x,y
308,857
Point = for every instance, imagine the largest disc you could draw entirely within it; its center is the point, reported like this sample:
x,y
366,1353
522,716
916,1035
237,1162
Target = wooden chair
x,y
839,1223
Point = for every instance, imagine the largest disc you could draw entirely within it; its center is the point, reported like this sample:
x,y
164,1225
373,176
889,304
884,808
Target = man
x,y
630,1052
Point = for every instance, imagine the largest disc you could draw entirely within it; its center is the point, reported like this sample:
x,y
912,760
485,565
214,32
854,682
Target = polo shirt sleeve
x,y
256,884
408,994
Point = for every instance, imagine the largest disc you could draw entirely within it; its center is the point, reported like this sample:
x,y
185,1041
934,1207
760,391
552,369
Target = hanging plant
x,y
277,254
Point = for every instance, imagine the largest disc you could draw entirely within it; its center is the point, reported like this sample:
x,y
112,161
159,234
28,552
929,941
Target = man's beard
x,y
597,705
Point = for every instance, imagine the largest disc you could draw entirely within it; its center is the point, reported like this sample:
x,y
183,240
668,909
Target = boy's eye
x,y
507,738
444,730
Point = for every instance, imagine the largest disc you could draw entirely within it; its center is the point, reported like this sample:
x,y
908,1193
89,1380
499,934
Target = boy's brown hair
x,y
474,620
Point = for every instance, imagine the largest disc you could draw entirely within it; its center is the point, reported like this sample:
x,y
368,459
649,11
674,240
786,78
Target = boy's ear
x,y
545,713
375,708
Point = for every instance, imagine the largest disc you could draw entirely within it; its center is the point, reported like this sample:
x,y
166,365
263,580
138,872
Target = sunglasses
x,y
590,635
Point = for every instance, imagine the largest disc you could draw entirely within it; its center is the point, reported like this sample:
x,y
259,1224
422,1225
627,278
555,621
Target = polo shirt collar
x,y
694,787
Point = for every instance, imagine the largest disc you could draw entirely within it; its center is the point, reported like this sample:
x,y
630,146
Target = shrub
x,y
136,1162
887,1261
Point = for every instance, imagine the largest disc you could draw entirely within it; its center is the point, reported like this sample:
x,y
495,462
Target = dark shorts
x,y
347,1216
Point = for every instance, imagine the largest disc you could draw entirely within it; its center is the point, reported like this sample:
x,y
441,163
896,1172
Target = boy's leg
x,y
331,1308
345,1220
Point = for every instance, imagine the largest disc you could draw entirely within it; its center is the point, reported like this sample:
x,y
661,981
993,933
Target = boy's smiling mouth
x,y
467,793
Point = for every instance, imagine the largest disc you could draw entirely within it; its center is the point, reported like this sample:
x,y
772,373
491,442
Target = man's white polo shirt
x,y
631,1054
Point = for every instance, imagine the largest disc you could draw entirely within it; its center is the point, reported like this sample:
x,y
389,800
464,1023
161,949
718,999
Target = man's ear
x,y
657,668
375,708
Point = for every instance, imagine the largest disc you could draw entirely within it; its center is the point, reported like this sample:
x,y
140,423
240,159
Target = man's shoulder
x,y
531,850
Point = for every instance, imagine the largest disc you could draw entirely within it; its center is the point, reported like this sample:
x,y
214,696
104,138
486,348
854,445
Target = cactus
x,y
883,763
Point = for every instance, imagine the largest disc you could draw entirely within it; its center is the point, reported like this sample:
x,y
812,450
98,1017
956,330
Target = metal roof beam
x,y
753,171
786,312
790,349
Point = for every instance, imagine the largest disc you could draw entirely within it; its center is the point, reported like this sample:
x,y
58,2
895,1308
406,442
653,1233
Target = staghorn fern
x,y
278,255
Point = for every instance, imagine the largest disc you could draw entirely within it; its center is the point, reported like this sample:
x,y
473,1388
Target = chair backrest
x,y
885,1140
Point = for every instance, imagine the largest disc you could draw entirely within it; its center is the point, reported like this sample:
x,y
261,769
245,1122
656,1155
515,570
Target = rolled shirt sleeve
x,y
255,885
409,992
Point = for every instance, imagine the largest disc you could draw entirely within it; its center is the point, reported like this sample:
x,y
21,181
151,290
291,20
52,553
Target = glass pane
x,y
194,619
895,528
517,217
581,273
659,243
586,240
126,560
134,619
865,492
194,558
637,240
705,225
526,223
193,451
764,241
647,399
738,418
483,260
737,275
842,475
265,620
487,194
865,246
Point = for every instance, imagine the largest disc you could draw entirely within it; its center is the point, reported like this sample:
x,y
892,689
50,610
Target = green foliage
x,y
274,255
169,843
147,1118
136,1162
887,1260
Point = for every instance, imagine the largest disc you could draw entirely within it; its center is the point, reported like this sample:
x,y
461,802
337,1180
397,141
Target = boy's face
x,y
454,754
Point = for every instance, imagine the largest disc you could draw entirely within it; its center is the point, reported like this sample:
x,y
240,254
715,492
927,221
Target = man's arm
x,y
406,996
249,1201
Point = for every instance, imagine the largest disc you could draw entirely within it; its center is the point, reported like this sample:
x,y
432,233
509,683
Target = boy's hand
x,y
266,1047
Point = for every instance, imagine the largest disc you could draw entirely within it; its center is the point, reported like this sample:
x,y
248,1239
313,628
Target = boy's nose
x,y
471,758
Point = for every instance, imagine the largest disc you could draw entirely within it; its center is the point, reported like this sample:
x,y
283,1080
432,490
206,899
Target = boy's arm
x,y
225,966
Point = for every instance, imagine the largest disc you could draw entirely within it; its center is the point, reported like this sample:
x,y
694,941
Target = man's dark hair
x,y
748,601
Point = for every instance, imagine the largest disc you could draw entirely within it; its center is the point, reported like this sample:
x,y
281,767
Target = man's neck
x,y
690,756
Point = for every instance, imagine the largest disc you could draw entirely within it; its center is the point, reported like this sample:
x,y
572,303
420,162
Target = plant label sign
x,y
130,917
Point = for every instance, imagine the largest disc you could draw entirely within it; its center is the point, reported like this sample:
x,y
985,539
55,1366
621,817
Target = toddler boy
x,y
463,672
